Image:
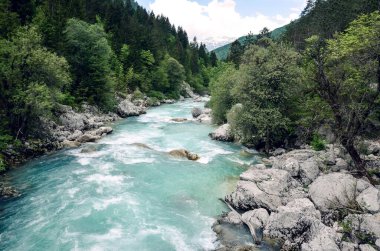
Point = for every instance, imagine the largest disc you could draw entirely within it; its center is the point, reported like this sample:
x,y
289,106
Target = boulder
x,y
369,200
256,219
70,119
179,120
278,151
292,222
335,190
196,112
126,109
168,101
75,135
87,137
187,91
102,130
309,171
348,246
232,218
321,237
268,188
90,148
70,144
248,196
289,164
365,223
205,119
182,153
222,133
377,243
8,191
366,247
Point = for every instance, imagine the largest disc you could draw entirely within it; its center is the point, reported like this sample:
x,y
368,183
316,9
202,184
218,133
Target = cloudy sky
x,y
216,22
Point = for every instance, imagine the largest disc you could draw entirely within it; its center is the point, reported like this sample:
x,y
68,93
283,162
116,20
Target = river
x,y
122,196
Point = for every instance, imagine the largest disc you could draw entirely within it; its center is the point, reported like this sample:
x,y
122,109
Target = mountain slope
x,y
222,52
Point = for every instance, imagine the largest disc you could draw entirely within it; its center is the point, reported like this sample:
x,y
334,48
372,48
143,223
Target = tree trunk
x,y
360,164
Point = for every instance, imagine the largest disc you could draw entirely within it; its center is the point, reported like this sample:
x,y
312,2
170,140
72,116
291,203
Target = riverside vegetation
x,y
308,97
315,89
55,53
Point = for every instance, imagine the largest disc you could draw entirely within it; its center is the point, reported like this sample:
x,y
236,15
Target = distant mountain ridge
x,y
222,52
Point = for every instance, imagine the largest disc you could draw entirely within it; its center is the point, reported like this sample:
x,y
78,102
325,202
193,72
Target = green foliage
x,y
318,143
157,95
267,80
90,55
223,79
325,18
137,94
33,79
343,71
2,164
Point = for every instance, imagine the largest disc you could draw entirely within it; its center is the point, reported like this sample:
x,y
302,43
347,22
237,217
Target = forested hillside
x,y
69,52
222,52
323,73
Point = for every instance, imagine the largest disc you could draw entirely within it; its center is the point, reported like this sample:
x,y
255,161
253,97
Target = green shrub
x,y
137,94
2,164
156,94
318,143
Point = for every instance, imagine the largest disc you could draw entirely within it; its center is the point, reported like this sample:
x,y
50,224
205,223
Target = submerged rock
x,y
182,153
142,145
8,192
179,120
222,133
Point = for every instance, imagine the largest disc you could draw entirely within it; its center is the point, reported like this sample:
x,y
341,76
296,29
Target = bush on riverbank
x,y
283,93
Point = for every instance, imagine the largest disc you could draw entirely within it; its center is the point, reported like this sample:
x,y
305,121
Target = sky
x,y
217,22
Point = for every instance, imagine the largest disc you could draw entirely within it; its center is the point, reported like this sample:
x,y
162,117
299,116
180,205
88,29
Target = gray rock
x,y
87,137
348,246
333,191
75,135
70,119
223,133
266,188
321,238
292,221
289,164
340,164
205,119
187,91
70,144
102,130
196,112
126,109
232,218
258,217
278,151
369,200
365,223
309,170
366,247
377,243
248,196
256,220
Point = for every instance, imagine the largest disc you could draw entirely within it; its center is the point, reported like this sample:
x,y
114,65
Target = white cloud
x,y
218,22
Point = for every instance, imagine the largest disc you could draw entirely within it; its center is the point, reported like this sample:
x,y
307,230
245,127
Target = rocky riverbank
x,y
307,200
72,127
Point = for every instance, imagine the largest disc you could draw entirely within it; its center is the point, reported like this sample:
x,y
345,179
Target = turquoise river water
x,y
122,196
